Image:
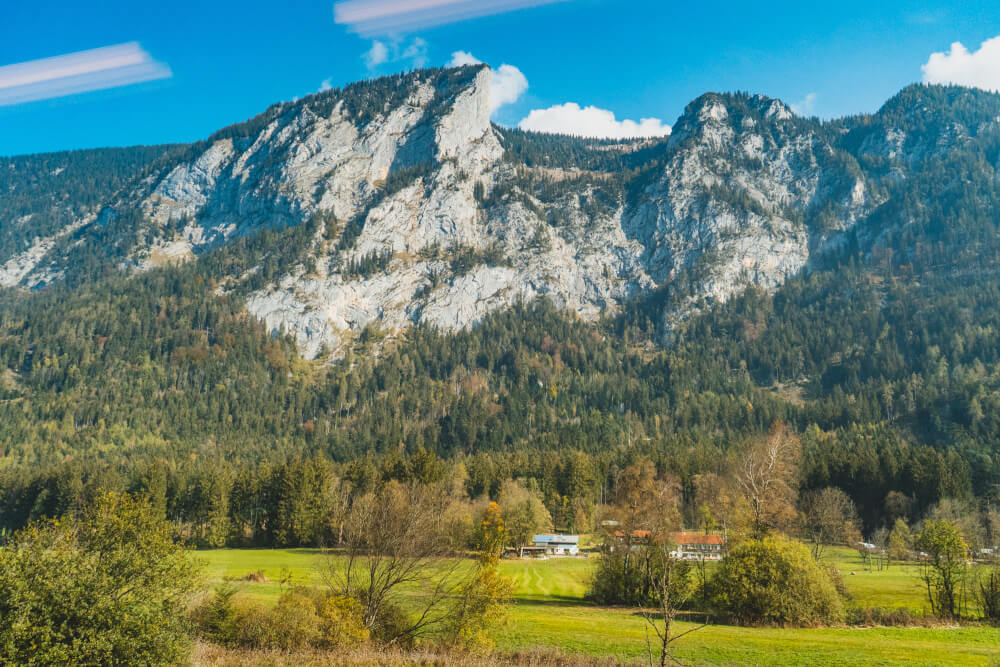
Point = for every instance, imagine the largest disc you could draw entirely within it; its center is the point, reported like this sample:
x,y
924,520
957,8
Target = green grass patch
x,y
550,610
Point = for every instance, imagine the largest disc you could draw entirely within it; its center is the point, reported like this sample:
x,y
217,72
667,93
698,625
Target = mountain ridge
x,y
432,215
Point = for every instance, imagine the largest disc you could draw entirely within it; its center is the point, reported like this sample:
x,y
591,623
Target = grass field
x,y
550,610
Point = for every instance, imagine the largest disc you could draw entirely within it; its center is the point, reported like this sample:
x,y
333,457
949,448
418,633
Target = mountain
x,y
432,215
477,291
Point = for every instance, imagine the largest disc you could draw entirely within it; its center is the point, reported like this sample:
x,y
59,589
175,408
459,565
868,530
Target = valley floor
x,y
551,614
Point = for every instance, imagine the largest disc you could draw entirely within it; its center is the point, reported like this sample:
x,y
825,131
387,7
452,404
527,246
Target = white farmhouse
x,y
557,545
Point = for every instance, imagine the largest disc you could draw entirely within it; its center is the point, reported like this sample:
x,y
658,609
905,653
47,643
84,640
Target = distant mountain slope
x,y
43,195
420,211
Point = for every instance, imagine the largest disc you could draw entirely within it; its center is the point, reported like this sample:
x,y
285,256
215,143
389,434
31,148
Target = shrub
x,y
896,617
392,626
302,618
775,581
215,617
481,604
296,621
836,579
106,588
342,623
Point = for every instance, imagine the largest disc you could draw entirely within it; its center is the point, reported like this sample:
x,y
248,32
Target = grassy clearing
x,y
551,612
898,586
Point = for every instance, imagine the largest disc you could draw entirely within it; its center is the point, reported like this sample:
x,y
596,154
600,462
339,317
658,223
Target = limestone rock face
x,y
748,193
432,215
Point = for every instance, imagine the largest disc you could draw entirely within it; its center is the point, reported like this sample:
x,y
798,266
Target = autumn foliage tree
x,y
483,599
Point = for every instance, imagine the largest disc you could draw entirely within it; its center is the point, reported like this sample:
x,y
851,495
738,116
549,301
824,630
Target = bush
x,y
775,581
392,626
342,622
481,605
884,616
836,578
301,619
107,588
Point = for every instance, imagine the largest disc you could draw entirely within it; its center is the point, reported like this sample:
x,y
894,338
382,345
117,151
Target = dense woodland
x,y
884,358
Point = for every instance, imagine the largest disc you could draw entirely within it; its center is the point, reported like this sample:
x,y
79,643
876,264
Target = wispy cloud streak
x,y
373,17
83,71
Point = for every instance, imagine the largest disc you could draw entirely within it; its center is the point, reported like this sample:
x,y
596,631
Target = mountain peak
x,y
922,106
728,112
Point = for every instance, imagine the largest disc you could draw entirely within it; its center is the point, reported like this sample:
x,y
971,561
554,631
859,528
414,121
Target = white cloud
x,y
460,58
411,53
386,17
416,52
377,55
83,71
805,106
590,121
507,85
325,85
979,69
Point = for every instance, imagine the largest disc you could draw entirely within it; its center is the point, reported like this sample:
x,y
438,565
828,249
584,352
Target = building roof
x,y
696,538
639,534
556,539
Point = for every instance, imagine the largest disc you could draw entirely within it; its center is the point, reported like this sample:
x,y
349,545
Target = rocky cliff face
x,y
747,194
430,215
424,226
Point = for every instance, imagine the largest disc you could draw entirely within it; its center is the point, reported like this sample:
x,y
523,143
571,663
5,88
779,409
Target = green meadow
x,y
550,610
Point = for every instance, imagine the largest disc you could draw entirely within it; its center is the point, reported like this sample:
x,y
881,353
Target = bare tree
x,y
394,542
670,583
830,518
767,478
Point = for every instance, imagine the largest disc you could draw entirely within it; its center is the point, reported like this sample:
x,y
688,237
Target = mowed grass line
x,y
550,611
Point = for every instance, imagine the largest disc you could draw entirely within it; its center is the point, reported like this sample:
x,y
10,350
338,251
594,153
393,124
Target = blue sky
x,y
229,61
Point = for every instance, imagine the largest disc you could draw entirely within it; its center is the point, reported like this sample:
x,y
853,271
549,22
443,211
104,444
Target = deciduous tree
x,y
944,566
767,477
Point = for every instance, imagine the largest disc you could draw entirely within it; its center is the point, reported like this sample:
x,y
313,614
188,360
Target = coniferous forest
x,y
886,364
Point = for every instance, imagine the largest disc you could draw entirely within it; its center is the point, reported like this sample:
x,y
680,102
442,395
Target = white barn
x,y
557,545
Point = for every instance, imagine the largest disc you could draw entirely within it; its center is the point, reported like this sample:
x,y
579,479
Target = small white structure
x,y
557,545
